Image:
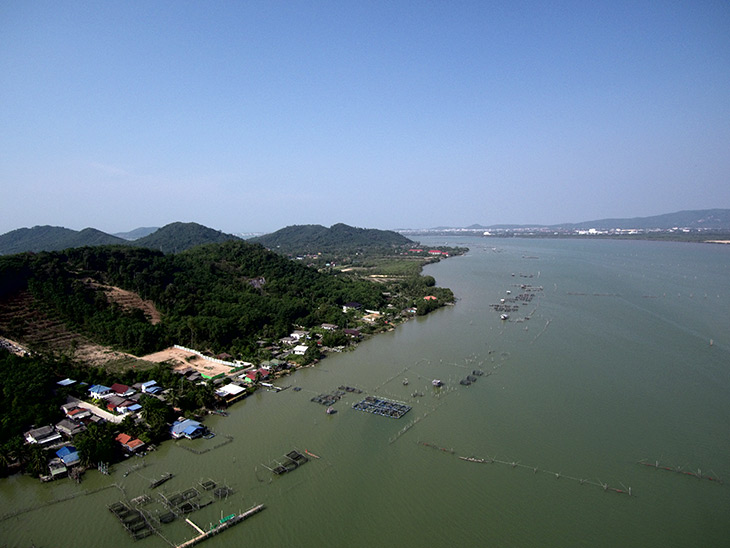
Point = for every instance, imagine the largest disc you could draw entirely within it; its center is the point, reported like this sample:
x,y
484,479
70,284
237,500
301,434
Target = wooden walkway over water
x,y
224,524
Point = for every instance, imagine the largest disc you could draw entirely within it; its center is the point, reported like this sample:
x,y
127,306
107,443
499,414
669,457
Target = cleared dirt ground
x,y
182,359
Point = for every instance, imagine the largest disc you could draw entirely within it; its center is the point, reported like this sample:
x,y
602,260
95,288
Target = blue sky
x,y
252,116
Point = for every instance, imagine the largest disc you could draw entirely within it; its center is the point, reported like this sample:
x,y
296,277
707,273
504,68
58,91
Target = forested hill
x,y
218,297
314,238
177,237
52,238
172,238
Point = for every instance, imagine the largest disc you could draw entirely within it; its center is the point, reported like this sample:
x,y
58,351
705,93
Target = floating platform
x,y
383,407
161,480
329,399
222,525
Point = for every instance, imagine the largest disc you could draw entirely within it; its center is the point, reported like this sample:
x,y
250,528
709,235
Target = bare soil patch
x,y
128,300
182,359
35,328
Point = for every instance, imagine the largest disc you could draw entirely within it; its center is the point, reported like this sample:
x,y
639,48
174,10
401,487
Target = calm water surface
x,y
626,356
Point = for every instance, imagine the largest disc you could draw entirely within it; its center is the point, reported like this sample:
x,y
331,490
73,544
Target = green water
x,y
614,365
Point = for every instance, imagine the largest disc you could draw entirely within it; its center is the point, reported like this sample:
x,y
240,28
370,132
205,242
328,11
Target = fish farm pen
x,y
291,461
133,520
382,406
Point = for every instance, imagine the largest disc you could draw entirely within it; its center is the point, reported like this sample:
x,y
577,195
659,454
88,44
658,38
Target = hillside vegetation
x,y
52,238
220,297
171,238
317,238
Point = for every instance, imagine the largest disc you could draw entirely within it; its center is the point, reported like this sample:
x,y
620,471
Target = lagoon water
x,y
626,356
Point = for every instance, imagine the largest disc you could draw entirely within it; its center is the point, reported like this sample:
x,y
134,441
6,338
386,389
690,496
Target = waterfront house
x,y
128,443
57,468
329,327
300,349
187,428
99,391
68,455
231,392
372,316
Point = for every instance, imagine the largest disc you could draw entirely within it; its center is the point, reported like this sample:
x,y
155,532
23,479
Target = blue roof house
x,y
149,386
187,428
99,391
68,455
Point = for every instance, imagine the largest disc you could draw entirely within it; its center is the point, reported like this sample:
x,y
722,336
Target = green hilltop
x,y
317,238
172,238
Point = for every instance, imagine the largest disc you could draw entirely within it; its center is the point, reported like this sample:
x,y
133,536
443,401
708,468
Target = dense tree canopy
x,y
217,297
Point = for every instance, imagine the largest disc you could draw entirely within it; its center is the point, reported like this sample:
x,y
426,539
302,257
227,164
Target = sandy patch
x,y
182,359
96,355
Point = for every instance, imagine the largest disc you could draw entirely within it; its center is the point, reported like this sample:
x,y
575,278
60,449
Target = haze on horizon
x,y
254,116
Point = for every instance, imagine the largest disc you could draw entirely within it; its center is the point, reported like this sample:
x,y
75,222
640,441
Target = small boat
x,y
331,410
504,317
405,382
437,382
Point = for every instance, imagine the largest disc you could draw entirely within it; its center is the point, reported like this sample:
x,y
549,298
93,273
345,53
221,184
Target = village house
x,y
57,468
149,387
44,436
99,392
301,349
231,392
68,455
121,389
128,443
74,412
187,428
372,317
69,428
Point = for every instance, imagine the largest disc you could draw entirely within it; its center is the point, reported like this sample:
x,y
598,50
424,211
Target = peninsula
x,y
118,347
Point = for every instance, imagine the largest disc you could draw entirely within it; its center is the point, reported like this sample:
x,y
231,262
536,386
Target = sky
x,y
252,116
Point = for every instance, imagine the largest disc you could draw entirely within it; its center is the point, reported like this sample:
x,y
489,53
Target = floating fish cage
x,y
222,492
207,484
383,407
291,461
351,389
133,520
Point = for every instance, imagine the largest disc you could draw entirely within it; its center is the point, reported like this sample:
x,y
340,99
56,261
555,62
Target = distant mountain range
x,y
137,233
171,238
701,219
303,238
176,237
